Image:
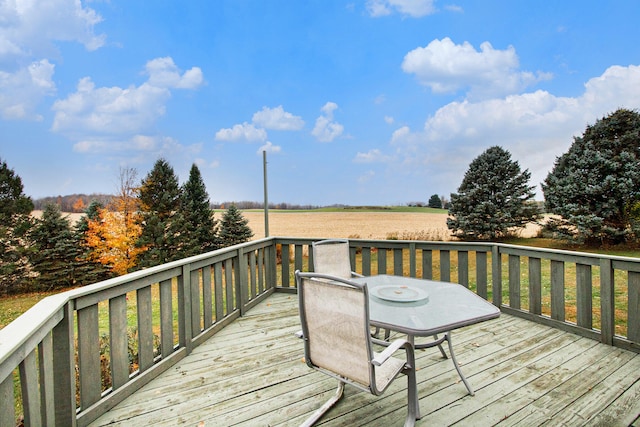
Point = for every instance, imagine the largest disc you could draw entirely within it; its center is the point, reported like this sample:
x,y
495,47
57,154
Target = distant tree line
x,y
146,223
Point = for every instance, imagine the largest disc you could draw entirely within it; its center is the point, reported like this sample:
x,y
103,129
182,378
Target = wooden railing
x,y
77,354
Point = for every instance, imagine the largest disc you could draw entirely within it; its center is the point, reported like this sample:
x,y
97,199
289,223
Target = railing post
x,y
496,275
607,308
64,378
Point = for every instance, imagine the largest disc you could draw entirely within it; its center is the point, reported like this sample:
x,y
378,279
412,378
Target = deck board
x,y
252,374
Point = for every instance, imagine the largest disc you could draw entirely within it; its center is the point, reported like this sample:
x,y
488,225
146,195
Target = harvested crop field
x,y
357,225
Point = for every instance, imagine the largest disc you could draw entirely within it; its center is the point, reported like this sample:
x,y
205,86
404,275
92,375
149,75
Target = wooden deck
x,y
525,374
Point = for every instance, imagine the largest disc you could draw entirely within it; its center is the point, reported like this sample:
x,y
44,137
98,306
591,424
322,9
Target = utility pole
x,y
266,197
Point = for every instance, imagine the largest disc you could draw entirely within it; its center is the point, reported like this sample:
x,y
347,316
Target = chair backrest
x,y
335,324
332,257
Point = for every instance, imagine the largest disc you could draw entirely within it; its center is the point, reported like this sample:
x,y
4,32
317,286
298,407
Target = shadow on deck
x,y
252,373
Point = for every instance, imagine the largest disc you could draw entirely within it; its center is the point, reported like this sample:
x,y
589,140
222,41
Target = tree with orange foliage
x,y
113,234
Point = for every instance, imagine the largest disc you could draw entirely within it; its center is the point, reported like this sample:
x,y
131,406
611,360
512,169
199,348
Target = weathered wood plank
x,y
252,373
118,341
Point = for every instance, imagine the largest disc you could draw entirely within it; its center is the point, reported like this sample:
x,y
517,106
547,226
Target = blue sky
x,y
376,102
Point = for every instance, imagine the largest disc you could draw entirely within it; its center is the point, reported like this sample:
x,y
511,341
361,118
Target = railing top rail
x,y
551,252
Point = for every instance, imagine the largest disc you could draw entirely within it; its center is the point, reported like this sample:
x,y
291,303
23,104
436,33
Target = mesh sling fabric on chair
x,y
334,313
332,257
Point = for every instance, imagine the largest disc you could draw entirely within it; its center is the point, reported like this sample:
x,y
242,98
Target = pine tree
x,y
435,202
234,228
15,222
595,186
200,228
160,218
55,251
493,199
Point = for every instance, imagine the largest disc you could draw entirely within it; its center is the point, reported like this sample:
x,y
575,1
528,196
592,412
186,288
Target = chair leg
x,y
413,405
435,337
455,363
324,408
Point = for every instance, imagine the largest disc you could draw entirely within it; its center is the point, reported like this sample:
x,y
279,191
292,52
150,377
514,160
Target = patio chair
x,y
332,257
334,313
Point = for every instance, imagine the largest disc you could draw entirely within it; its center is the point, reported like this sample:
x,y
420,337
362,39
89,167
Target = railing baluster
x,y
145,328
481,274
398,267
514,281
557,290
607,303
633,318
29,386
207,299
366,261
427,264
382,261
285,266
166,318
219,291
445,265
118,341
88,356
584,296
463,268
535,285
7,403
64,379
47,403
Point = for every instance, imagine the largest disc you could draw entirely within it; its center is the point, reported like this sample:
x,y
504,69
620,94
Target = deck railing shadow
x,y
77,354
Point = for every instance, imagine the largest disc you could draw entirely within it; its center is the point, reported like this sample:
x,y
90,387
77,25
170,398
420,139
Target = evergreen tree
x,y
15,208
493,199
55,251
200,227
234,228
160,214
595,186
435,202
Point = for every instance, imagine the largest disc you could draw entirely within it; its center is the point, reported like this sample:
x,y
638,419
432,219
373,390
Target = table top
x,y
422,307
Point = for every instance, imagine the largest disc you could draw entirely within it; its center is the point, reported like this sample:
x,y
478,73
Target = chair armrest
x,y
388,352
354,274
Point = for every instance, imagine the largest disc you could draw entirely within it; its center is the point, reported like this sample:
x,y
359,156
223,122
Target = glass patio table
x,y
425,308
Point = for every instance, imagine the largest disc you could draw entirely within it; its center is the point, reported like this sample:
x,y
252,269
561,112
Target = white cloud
x,y
109,110
413,8
535,127
118,111
163,73
326,130
447,67
29,30
22,91
277,119
372,156
389,120
269,148
242,132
